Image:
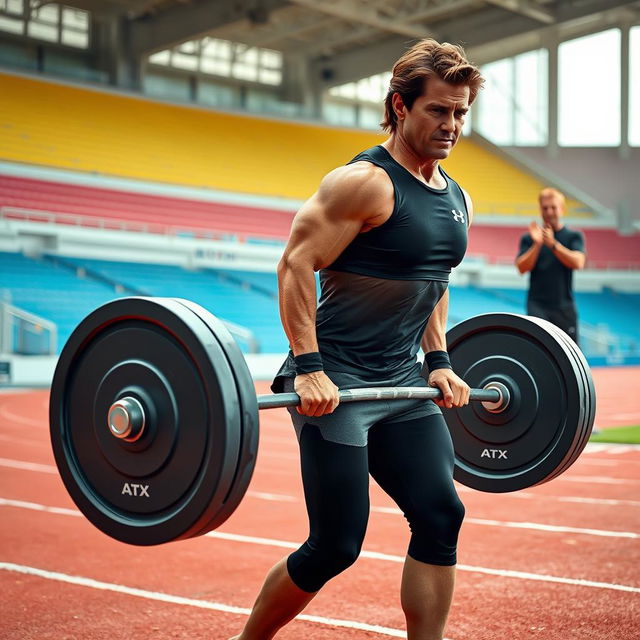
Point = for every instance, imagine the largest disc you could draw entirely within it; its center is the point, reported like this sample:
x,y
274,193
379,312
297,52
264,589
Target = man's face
x,y
551,210
434,123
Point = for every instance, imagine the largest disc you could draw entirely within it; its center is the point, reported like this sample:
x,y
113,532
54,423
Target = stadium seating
x,y
109,208
51,291
230,298
112,208
606,248
64,290
113,134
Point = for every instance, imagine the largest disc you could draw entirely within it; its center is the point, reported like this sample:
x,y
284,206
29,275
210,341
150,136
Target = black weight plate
x,y
165,485
249,434
586,401
582,398
589,397
540,436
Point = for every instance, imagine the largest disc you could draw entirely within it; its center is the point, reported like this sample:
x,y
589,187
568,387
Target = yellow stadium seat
x,y
108,133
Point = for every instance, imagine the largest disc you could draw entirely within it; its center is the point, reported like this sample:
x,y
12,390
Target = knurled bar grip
x,y
277,400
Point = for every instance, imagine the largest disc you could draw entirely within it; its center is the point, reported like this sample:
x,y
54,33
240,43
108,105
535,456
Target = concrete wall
x,y
603,173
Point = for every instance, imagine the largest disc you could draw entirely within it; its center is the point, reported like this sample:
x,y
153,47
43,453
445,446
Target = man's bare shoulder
x,y
358,178
360,187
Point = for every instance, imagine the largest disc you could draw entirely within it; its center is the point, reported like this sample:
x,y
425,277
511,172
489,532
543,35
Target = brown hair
x,y
426,59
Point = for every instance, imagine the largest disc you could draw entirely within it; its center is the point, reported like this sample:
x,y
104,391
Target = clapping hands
x,y
542,235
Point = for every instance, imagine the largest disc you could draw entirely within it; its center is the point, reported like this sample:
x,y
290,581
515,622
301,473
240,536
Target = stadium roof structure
x,y
339,41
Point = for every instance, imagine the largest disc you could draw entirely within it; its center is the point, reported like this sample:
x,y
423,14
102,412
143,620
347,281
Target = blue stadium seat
x,y
66,290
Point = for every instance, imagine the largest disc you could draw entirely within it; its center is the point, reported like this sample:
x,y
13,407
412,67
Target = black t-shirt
x,y
551,283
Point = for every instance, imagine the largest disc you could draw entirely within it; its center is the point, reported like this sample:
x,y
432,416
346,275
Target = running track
x,y
556,562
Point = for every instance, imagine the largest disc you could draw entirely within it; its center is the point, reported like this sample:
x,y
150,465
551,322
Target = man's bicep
x,y
320,233
349,200
577,243
525,244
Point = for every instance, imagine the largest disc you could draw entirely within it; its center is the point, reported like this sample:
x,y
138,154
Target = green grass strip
x,y
624,435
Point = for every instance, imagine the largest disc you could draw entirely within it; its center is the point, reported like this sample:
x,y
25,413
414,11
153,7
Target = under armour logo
x,y
458,216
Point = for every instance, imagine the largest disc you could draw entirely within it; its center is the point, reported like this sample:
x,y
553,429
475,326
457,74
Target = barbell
x,y
154,417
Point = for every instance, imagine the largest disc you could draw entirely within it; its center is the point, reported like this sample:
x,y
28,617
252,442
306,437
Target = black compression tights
x,y
412,461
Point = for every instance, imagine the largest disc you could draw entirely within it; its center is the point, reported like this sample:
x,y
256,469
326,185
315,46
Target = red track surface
x,y
572,547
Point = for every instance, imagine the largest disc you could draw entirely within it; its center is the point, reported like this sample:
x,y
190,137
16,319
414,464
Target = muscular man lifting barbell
x,y
154,418
384,231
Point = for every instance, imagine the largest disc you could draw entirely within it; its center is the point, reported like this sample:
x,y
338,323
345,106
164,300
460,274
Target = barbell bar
x,y
154,416
494,394
126,418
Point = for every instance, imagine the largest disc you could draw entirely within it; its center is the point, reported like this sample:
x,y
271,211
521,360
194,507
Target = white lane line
x,y
605,501
272,497
524,495
33,506
10,416
279,497
21,441
553,528
625,416
530,525
5,502
602,462
594,479
190,602
21,504
374,555
44,468
610,448
28,466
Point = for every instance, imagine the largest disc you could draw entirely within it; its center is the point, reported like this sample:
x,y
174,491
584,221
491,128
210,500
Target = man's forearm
x,y
434,337
569,258
297,300
528,259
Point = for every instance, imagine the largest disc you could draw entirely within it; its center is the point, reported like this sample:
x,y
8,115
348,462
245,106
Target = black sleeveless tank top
x,y
376,298
425,236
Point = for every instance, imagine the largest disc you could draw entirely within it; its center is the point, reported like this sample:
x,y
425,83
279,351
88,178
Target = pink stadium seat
x,y
606,248
160,213
108,208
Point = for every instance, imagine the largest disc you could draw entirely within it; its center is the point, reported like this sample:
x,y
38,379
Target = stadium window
x,y
11,12
494,112
270,76
344,115
634,86
357,103
530,104
225,59
184,61
589,90
11,25
215,66
217,49
51,22
189,47
218,96
42,30
164,87
370,117
243,71
161,57
368,90
12,6
247,56
512,107
344,91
